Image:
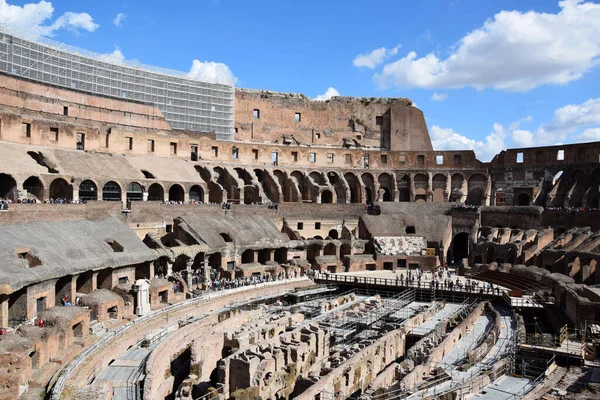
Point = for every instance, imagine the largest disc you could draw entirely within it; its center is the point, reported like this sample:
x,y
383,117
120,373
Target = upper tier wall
x,y
391,124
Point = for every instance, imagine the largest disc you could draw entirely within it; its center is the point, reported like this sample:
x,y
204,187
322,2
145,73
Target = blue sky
x,y
488,75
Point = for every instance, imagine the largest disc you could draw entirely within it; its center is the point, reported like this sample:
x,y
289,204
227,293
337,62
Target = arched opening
x,y
34,186
475,197
345,250
250,195
248,256
111,191
62,288
197,194
7,186
439,187
476,190
456,183
368,195
264,255
88,191
214,260
387,195
317,177
489,254
460,247
134,192
338,185
176,193
326,197
386,185
312,251
354,184
403,183
281,255
60,189
156,192
330,250
523,199
104,279
333,234
226,237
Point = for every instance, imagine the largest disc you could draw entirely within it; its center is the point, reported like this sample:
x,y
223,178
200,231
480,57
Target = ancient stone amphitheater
x,y
162,238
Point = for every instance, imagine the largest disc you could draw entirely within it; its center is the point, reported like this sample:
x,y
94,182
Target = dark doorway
x,y
460,247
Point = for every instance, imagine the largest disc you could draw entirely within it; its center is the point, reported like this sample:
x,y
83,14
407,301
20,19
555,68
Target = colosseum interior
x,y
326,252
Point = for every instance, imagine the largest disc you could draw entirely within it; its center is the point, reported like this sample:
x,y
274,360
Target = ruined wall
x,y
270,117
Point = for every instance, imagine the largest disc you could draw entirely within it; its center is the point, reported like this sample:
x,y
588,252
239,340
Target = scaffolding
x,y
186,103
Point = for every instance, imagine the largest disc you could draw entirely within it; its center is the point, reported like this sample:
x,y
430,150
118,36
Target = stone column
x,y
411,176
4,311
142,294
429,187
272,255
448,192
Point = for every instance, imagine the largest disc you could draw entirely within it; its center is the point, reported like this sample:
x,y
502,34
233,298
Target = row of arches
x,y
59,188
276,186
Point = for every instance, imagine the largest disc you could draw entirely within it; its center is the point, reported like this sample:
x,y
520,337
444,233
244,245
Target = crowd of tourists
x,y
572,210
446,280
464,208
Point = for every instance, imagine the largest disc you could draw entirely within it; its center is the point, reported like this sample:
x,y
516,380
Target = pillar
x,y
411,176
272,255
4,311
448,190
429,192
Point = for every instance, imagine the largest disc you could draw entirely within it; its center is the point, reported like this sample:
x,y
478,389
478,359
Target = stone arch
x,y
330,249
197,194
369,183
333,234
135,192
403,184
251,195
33,185
244,175
386,185
489,254
61,189
264,255
88,191
156,192
439,188
456,184
268,184
289,194
345,250
594,194
313,250
339,185
111,191
579,185
7,186
326,196
228,183
317,177
355,189
476,189
281,255
460,247
176,193
421,182
248,256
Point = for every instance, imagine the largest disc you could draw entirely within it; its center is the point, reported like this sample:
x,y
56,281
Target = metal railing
x,y
365,280
69,371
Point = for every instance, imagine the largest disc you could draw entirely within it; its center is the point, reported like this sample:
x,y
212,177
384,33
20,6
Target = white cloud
x,y
589,135
119,20
448,139
116,57
439,96
29,19
567,121
374,58
211,72
329,93
514,51
573,116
